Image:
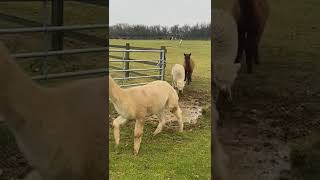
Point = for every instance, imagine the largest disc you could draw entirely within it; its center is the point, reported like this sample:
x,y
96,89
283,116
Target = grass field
x,y
276,109
169,155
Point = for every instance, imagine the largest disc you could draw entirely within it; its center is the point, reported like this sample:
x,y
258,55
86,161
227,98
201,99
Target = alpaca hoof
x,y
117,149
135,153
157,131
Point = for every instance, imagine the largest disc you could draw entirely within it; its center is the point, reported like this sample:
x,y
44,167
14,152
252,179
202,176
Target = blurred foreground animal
x,y
225,43
251,17
220,159
61,131
178,75
137,103
188,67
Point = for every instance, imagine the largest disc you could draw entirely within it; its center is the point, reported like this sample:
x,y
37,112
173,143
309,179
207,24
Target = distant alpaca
x,y
137,103
180,42
178,76
189,67
220,159
61,131
251,17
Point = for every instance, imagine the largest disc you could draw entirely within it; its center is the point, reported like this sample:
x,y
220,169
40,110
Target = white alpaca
x,y
178,75
220,159
225,46
61,131
137,103
224,76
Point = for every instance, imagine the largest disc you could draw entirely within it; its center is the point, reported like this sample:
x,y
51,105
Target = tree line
x,y
126,31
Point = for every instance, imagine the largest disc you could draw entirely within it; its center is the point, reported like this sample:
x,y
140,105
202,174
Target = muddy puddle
x,y
191,111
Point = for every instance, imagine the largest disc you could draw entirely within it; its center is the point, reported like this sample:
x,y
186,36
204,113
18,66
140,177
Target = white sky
x,y
159,12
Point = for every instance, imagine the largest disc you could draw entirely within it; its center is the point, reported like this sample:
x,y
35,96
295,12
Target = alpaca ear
x,y
184,54
190,54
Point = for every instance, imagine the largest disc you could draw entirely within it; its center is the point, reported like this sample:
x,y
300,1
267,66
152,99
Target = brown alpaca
x,y
251,17
61,131
189,67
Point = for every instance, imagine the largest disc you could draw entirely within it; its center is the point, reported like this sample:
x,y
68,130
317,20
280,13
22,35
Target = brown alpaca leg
x,y
256,53
250,49
138,131
241,44
185,75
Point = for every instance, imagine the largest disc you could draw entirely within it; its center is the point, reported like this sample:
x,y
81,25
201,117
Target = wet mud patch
x,y
191,104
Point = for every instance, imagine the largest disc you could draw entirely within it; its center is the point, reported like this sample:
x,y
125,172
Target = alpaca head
x,y
180,85
187,56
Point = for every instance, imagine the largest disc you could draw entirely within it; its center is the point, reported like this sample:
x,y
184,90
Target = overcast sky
x,y
159,12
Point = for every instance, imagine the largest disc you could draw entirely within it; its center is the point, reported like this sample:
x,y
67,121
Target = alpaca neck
x,y
118,97
188,65
22,96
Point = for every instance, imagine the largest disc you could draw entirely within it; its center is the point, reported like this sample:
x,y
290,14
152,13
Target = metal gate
x,y
55,30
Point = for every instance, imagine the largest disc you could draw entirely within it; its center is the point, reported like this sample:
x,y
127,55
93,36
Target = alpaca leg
x,y
138,131
162,122
249,56
116,128
230,95
178,113
241,44
185,75
256,54
190,77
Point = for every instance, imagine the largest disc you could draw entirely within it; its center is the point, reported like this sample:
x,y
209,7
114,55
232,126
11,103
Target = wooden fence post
x,y
127,57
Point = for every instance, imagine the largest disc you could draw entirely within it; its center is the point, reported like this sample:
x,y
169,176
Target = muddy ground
x,y
271,108
191,103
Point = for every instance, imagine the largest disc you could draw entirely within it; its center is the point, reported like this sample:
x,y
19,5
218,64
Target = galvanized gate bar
x,y
136,50
52,28
62,52
71,74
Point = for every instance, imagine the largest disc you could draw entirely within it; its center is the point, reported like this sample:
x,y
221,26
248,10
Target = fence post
x,y
127,57
163,62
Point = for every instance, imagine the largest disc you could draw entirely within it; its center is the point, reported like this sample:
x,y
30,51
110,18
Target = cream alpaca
x,y
61,131
137,103
178,75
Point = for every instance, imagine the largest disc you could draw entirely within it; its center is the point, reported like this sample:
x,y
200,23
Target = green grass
x,y
169,155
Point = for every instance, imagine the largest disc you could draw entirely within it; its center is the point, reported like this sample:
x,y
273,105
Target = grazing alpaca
x,y
61,131
189,67
225,43
220,159
178,75
137,103
251,17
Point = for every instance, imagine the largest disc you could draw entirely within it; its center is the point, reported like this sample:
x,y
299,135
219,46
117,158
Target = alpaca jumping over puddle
x,y
137,103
